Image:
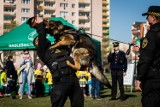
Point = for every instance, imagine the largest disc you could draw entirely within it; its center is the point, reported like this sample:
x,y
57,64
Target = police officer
x,y
118,65
65,82
148,68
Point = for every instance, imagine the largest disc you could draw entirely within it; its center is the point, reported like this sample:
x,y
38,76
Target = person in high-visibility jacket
x,y
49,81
83,77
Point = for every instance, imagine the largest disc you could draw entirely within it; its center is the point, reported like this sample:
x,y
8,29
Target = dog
x,y
82,48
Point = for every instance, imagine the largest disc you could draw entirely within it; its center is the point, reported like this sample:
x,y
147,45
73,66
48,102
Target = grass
x,y
132,100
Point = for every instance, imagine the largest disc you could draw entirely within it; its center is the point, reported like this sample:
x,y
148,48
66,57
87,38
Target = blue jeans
x,y
90,88
24,81
95,87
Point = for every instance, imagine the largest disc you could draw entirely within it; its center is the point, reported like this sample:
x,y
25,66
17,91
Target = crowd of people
x,y
27,80
37,80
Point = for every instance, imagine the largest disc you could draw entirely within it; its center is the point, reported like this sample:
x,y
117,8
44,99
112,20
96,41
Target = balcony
x,y
40,8
106,8
86,25
104,2
40,0
105,25
47,15
83,18
105,15
85,2
86,9
105,31
105,20
50,1
7,21
8,4
10,13
49,8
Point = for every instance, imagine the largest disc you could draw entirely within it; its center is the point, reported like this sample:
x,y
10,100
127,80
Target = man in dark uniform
x,y
118,65
64,79
148,68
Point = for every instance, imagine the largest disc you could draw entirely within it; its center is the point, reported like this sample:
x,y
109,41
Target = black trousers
x,y
151,98
117,76
67,87
39,88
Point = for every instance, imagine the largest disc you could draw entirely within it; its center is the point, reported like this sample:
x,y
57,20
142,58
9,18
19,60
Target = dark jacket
x,y
149,59
55,59
118,61
148,69
9,66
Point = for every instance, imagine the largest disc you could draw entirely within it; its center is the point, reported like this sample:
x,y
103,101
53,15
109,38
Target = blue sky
x,y
122,15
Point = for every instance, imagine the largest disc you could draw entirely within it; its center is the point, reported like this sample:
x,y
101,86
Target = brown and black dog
x,y
83,49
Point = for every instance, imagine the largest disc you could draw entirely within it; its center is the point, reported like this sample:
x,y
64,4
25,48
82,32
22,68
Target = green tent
x,y
22,37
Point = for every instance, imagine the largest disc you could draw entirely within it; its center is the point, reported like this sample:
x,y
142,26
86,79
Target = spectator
x,y
39,86
11,76
95,90
26,75
48,79
89,82
83,77
4,82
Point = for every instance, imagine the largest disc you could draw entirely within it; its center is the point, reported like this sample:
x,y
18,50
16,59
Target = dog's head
x,y
55,27
83,55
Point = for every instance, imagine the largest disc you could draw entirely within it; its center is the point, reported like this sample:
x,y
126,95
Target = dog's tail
x,y
100,76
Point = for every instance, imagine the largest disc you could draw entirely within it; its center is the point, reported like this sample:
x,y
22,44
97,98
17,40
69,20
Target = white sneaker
x,y
21,97
29,97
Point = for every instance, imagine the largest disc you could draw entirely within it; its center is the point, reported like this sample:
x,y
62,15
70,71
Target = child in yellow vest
x,y
4,82
49,81
83,77
39,86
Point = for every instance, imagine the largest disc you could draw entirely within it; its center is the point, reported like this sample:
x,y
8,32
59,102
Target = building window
x,y
81,22
25,10
104,11
73,5
6,27
82,14
63,13
7,9
25,1
73,13
48,4
47,12
73,21
8,18
82,6
64,5
23,19
8,1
